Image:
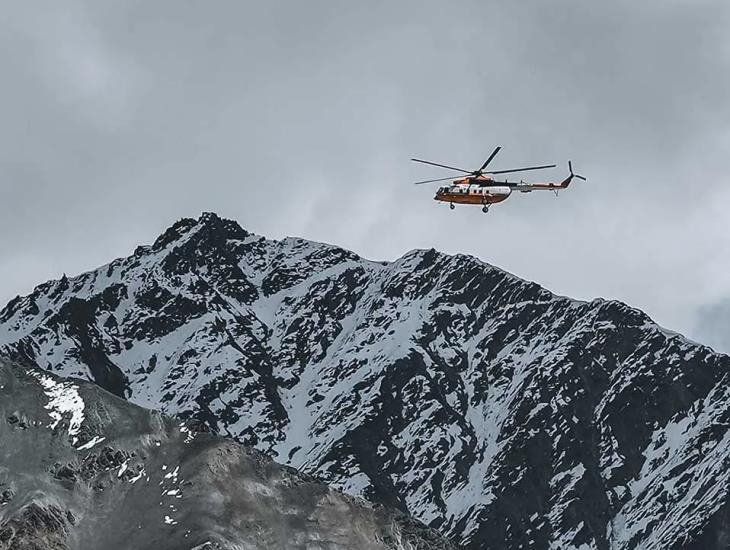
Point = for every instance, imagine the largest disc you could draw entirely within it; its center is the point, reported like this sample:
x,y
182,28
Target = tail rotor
x,y
572,175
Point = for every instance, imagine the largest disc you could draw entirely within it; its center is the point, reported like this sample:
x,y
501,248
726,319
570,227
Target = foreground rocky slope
x,y
81,469
482,404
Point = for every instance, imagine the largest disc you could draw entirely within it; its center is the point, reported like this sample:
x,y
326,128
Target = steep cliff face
x,y
481,404
81,469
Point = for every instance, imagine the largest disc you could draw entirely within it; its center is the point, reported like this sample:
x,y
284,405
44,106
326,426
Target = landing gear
x,y
485,208
451,205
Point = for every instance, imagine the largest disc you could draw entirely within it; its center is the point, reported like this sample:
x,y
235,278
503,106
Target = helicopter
x,y
479,187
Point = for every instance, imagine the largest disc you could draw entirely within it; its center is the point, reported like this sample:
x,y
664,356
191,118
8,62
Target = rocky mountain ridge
x,y
482,404
83,470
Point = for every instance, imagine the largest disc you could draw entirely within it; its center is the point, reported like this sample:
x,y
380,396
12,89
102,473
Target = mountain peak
x,y
478,402
209,225
211,221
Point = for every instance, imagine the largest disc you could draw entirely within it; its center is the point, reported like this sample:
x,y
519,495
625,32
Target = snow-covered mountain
x,y
83,470
482,404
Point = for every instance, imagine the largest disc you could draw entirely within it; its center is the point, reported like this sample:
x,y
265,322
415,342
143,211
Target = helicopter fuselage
x,y
467,192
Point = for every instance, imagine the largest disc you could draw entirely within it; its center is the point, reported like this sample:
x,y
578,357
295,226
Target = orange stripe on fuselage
x,y
458,198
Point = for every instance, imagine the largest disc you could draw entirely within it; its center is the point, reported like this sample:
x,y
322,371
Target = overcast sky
x,y
298,118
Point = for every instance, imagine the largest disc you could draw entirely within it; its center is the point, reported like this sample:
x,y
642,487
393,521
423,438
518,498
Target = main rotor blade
x,y
432,181
522,169
443,166
494,154
579,177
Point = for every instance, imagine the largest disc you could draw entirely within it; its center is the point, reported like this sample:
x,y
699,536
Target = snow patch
x,y
63,400
89,444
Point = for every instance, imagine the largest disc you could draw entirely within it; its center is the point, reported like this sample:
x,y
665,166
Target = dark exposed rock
x,y
6,495
35,527
79,318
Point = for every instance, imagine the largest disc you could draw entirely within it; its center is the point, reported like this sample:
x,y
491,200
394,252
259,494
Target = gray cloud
x,y
713,325
299,119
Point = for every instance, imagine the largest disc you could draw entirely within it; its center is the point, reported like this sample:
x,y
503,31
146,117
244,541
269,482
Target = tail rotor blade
x,y
570,168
